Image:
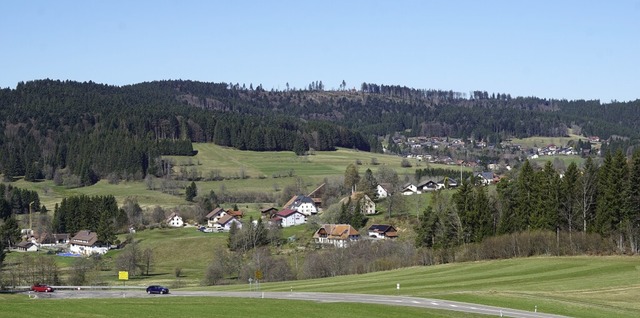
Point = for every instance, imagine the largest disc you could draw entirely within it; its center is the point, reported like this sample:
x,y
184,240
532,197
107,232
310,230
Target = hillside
x,y
79,133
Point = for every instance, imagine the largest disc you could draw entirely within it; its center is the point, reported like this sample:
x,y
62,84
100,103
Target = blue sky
x,y
550,49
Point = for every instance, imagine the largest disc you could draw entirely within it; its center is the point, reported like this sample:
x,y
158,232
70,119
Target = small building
x,y
174,220
26,246
382,231
268,213
288,217
338,235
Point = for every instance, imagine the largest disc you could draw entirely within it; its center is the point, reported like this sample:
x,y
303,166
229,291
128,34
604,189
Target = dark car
x,y
41,288
157,289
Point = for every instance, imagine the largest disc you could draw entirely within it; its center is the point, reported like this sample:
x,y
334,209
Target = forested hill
x,y
90,131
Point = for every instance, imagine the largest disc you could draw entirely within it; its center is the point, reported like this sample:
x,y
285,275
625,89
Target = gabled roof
x,y
287,212
25,244
428,183
385,229
486,175
226,219
297,200
355,197
85,238
336,231
268,210
214,213
172,215
450,180
237,213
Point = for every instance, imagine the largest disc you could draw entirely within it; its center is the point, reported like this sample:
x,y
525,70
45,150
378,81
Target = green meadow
x,y
19,306
265,172
583,286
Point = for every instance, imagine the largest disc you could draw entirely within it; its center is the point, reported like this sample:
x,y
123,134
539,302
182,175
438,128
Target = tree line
x,y
595,199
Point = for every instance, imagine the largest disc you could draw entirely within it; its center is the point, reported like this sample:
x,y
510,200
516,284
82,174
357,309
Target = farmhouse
x,y
382,231
85,242
288,217
367,206
338,235
174,220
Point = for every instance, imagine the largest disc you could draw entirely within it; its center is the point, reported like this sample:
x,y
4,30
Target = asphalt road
x,y
320,297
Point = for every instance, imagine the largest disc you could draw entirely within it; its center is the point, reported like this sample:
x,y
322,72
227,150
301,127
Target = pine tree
x,y
191,191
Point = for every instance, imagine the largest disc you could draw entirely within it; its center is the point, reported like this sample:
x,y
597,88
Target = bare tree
x,y
147,260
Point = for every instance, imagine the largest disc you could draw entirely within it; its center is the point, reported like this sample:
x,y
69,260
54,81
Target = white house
x,y
174,220
409,189
214,216
85,243
485,178
382,191
225,222
427,186
288,217
338,235
27,246
302,204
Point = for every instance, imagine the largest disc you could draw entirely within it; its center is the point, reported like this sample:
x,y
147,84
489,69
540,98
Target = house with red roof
x,y
288,217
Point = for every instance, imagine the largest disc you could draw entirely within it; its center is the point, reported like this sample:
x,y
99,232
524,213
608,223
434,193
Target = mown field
x,y
572,286
583,286
19,306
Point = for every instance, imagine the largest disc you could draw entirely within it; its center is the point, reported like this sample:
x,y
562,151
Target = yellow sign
x,y
259,275
123,275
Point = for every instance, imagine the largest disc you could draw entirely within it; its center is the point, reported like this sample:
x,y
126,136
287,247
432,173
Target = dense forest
x,y
77,133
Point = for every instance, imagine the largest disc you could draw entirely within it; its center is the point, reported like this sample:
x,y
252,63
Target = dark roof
x,y
381,228
85,238
297,201
25,244
428,183
268,210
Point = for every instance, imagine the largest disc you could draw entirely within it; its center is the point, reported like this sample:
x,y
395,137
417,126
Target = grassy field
x,y
572,286
19,306
267,172
538,141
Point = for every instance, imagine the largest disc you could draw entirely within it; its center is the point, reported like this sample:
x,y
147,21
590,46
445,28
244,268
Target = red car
x,y
40,288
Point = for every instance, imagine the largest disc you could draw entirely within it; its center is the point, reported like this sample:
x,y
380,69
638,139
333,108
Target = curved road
x,y
321,297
